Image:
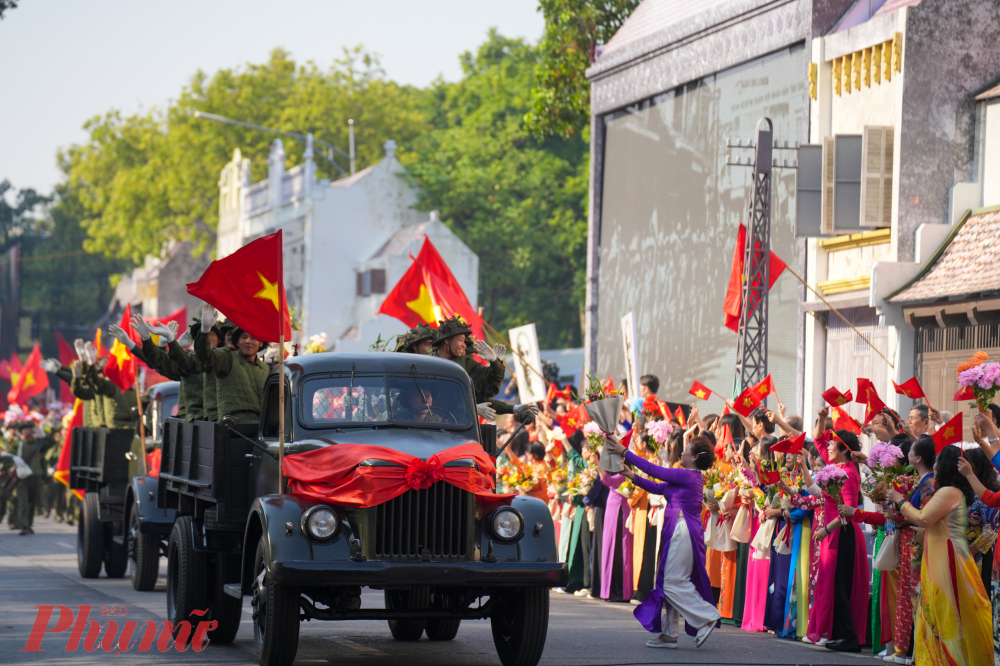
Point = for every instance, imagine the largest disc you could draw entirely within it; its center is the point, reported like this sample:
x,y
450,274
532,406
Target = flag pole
x,y
281,410
142,429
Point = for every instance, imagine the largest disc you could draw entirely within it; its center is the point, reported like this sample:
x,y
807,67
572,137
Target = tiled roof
x,y
400,240
651,16
892,5
989,94
966,265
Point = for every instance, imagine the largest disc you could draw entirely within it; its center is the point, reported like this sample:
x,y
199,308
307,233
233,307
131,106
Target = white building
x,y
347,242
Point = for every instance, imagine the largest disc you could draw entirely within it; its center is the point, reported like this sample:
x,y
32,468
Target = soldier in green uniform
x,y
450,342
419,340
190,395
239,373
32,448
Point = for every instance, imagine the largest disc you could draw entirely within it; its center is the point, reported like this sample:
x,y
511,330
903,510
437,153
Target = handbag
x,y
887,557
762,540
783,543
741,526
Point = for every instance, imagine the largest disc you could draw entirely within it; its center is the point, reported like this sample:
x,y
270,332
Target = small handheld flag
x,y
948,434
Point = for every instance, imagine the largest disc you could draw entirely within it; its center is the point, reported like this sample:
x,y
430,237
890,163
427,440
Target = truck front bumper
x,y
405,574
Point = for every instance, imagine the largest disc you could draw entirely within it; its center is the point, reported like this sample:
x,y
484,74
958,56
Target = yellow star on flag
x,y
906,392
29,380
762,389
949,432
424,306
268,292
120,352
700,394
747,402
841,400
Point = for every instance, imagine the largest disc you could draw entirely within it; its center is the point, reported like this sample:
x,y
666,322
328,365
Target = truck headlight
x,y
507,524
321,523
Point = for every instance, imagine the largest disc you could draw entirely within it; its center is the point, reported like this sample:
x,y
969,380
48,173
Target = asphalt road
x,y
42,570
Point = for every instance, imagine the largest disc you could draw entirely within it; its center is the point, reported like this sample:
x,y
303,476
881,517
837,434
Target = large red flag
x,y
248,287
122,365
180,316
31,381
62,466
431,260
734,292
66,357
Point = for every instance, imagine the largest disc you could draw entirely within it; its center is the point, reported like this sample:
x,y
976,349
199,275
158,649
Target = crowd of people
x,y
711,519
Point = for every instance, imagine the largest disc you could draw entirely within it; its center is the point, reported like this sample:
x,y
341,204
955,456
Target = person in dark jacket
x,y
32,448
240,373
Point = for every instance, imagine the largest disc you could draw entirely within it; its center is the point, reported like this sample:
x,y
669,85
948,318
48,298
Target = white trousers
x,y
680,595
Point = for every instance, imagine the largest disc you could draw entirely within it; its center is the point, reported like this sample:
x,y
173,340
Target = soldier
x,y
34,444
450,343
419,340
190,395
240,374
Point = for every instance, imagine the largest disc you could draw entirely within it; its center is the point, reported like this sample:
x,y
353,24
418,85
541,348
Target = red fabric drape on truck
x,y
332,474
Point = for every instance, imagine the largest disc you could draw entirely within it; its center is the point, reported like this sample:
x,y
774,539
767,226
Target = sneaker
x,y
26,531
889,658
902,659
581,593
703,634
559,590
805,639
635,602
591,596
822,642
662,641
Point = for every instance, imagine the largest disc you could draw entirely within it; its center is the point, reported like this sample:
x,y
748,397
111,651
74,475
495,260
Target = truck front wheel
x,y
185,574
90,537
275,615
115,554
143,555
520,621
415,598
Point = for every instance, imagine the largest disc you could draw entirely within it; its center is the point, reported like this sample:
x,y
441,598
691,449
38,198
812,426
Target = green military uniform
x,y
190,403
83,388
29,490
486,380
239,381
119,406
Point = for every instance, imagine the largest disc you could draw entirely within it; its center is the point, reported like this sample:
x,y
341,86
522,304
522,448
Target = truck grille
x,y
436,519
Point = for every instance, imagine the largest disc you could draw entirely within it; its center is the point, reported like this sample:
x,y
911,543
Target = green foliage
x,y
150,178
519,203
560,102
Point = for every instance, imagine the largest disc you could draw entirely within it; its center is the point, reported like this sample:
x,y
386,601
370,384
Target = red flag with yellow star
x,y
948,434
844,421
965,393
31,380
764,388
833,396
61,473
248,287
910,388
746,402
700,391
122,365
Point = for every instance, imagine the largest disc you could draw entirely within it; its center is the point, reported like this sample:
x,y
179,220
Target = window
x,y
424,400
343,400
370,282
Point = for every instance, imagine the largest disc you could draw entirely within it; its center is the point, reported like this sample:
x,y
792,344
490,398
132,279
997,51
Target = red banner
x,y
332,473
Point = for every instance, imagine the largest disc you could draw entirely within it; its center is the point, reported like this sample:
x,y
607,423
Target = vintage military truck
x,y
120,526
440,554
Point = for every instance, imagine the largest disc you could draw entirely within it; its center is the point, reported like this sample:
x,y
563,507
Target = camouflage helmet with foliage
x,y
404,341
449,328
418,333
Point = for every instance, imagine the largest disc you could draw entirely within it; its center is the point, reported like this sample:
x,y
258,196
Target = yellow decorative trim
x,y
845,284
877,237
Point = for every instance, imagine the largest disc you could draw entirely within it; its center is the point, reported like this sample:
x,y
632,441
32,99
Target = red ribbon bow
x,y
422,474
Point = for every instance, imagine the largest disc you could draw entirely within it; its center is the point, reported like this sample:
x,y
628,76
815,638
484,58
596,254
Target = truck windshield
x,y
411,399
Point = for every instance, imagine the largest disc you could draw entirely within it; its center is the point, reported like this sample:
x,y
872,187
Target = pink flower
x,y
884,455
660,430
971,376
830,473
591,428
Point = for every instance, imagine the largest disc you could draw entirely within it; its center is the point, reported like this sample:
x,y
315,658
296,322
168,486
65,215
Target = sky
x,y
65,61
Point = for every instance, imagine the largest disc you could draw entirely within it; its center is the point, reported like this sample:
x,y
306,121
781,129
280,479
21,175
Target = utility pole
x,y
350,149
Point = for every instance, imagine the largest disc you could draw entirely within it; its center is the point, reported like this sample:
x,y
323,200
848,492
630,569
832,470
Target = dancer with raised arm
x,y
682,584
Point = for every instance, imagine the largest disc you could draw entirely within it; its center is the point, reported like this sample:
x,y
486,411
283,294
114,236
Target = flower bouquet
x,y
517,480
884,461
557,479
831,479
982,377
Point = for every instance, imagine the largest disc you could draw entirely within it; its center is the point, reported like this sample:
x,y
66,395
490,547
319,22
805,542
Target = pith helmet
x,y
404,341
449,328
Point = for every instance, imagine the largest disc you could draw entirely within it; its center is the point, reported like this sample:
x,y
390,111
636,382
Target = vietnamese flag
x,y
866,391
179,316
746,402
764,388
725,410
768,478
122,365
679,413
609,385
844,421
700,391
31,380
873,407
965,393
910,388
408,300
791,446
948,434
733,305
248,287
834,397
554,393
726,438
576,418
66,357
62,466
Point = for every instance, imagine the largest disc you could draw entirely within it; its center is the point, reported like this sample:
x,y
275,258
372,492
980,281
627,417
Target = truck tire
x,y
520,622
90,537
185,575
442,630
225,610
115,555
143,555
275,615
415,598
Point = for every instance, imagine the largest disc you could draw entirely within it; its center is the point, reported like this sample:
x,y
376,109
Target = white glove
x,y
174,327
76,367
185,339
119,334
207,318
50,365
499,350
163,331
485,351
81,349
271,355
90,352
141,327
485,411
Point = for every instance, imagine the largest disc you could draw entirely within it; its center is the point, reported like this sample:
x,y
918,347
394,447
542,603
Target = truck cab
x,y
440,554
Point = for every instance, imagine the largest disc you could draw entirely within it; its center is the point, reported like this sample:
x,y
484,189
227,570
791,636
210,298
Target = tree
x,y
7,4
518,202
150,178
560,102
22,218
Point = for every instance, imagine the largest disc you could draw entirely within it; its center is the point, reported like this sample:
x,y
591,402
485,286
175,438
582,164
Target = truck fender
x,y
535,545
269,517
141,498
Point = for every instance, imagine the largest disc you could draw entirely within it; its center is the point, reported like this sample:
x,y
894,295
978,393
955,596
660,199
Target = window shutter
x,y
360,290
826,225
378,281
876,181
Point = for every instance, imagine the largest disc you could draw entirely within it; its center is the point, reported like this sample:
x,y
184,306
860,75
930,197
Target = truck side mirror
x,y
229,422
